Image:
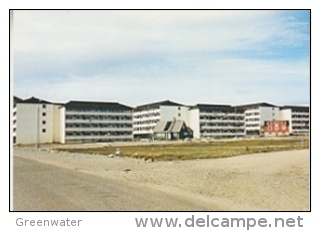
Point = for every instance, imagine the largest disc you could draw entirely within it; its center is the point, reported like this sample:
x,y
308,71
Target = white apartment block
x,y
146,117
97,122
256,114
298,117
36,121
216,121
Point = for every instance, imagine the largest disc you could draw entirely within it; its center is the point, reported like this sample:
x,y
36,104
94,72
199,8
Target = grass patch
x,y
199,150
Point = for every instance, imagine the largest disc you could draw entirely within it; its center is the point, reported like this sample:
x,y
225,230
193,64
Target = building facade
x,y
146,117
298,117
216,121
255,115
97,122
36,121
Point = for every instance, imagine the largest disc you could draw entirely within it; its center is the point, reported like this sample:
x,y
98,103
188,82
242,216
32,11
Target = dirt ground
x,y
277,181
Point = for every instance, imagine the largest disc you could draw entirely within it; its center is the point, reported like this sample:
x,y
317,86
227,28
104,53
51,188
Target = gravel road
x,y
48,180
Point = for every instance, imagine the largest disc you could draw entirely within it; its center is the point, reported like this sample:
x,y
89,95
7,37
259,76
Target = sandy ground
x,y
256,182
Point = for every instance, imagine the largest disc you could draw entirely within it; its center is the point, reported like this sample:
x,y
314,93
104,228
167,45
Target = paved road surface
x,y
43,187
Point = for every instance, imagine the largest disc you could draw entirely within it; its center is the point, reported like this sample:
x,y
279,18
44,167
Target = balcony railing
x,y
217,134
101,113
95,121
221,121
98,137
102,129
221,127
222,114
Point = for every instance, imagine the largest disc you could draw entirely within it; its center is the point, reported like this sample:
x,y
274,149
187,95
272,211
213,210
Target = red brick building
x,y
276,128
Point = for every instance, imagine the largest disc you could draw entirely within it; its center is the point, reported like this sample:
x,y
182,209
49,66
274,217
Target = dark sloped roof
x,y
90,105
169,126
16,99
215,107
35,101
201,105
157,104
260,104
296,108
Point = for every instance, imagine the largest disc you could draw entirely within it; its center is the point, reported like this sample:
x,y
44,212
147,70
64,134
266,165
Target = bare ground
x,y
276,181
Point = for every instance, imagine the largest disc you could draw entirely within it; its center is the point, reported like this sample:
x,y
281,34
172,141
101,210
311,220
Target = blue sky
x,y
136,57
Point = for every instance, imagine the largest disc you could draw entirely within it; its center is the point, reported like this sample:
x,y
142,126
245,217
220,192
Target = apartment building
x,y
97,122
298,117
255,116
216,121
36,121
146,117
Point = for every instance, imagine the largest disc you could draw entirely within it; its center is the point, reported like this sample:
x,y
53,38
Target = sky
x,y
137,57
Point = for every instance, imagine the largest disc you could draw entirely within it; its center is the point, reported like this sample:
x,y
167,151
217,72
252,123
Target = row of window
x,y
143,128
252,125
137,123
221,131
221,118
222,125
148,110
252,113
90,118
300,116
146,115
99,126
98,133
253,120
216,111
294,111
98,110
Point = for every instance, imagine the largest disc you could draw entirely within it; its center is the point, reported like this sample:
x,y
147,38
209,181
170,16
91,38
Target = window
x,y
43,130
43,122
44,106
44,114
179,114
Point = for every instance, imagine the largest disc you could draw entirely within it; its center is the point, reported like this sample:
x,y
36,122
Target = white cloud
x,y
141,56
118,32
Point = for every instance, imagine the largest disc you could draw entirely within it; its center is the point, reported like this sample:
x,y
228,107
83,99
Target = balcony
x,y
300,130
217,134
222,114
299,113
303,120
146,119
150,131
97,129
98,137
221,127
100,113
221,121
148,112
95,121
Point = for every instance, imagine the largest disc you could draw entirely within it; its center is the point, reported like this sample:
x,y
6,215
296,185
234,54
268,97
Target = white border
x,y
125,221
